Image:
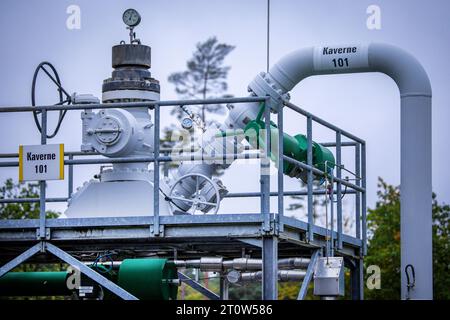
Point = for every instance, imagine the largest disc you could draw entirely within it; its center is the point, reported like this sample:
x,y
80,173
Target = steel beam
x,y
198,287
20,258
309,275
101,280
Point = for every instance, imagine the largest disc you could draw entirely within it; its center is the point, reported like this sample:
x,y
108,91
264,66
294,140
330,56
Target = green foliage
x,y
207,279
245,291
21,210
26,211
205,76
383,225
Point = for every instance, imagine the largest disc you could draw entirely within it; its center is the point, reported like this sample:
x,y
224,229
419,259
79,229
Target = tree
x,y
205,76
383,225
26,211
29,210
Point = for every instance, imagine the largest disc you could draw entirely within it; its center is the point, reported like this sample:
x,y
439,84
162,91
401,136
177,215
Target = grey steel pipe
x,y
283,275
415,127
293,263
218,264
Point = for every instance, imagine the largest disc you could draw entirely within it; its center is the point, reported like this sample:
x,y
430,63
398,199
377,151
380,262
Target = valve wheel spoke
x,y
196,201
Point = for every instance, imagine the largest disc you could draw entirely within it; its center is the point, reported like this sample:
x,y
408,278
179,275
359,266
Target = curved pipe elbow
x,y
398,64
407,72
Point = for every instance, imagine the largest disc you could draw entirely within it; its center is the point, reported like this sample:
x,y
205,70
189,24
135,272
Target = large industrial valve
x,y
116,132
208,193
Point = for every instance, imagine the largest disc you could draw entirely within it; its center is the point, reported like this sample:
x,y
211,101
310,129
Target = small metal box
x,y
329,277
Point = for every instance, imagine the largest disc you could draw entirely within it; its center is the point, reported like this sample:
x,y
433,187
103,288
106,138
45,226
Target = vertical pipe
x,y
364,198
70,182
416,195
358,194
156,174
270,268
42,184
415,92
310,180
280,168
339,191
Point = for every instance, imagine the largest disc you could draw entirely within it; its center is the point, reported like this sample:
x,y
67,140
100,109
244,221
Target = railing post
x,y
270,241
156,173
265,170
280,168
309,160
364,195
339,191
42,184
358,193
70,182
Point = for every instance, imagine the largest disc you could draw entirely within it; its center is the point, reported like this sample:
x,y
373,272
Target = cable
x,y
268,35
101,268
410,284
56,80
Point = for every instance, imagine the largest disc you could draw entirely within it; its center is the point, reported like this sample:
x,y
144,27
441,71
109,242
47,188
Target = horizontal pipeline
x,y
217,264
283,275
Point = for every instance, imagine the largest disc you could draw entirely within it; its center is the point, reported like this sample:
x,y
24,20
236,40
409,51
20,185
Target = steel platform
x,y
268,234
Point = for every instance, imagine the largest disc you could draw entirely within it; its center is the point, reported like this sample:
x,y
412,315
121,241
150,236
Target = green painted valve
x,y
295,147
149,279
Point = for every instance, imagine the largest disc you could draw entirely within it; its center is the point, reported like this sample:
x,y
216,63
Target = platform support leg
x,y
270,268
20,259
357,280
309,275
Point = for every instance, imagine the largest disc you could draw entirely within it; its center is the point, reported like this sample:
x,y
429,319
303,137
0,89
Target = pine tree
x,y
205,77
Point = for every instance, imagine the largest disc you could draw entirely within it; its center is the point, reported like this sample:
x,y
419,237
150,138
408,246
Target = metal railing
x,y
271,224
357,188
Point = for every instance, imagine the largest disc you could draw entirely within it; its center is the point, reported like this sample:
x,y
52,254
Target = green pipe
x,y
295,147
37,283
149,279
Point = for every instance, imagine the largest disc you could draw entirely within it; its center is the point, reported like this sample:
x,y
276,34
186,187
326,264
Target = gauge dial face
x,y
131,17
187,123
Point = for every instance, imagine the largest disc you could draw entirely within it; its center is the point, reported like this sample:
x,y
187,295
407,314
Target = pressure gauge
x,y
233,276
187,123
131,17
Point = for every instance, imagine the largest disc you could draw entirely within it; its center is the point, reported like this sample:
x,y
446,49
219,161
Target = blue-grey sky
x,y
364,104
